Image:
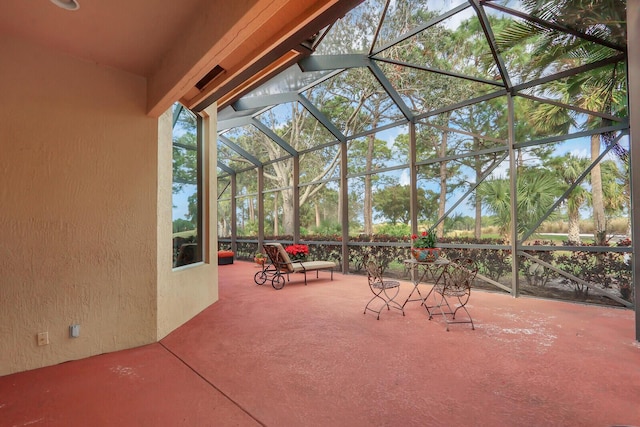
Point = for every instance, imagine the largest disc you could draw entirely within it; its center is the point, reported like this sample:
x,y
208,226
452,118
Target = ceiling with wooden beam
x,y
194,51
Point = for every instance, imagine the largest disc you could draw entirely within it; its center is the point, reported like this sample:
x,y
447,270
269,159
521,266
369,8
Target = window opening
x,y
187,188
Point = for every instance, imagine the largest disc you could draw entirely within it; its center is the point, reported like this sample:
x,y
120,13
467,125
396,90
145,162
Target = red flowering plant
x,y
427,239
297,252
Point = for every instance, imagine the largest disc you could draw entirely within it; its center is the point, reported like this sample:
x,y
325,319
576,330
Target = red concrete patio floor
x,y
308,356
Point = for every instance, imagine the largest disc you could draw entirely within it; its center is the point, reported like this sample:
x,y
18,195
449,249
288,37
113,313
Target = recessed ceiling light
x,y
67,4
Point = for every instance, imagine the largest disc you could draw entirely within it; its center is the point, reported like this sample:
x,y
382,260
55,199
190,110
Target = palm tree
x,y
537,190
495,195
595,90
569,168
613,187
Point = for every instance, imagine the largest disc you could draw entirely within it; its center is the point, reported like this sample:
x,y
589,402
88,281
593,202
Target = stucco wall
x,y
185,291
78,221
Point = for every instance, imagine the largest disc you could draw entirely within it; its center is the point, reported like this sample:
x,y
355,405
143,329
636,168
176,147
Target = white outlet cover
x,y
74,331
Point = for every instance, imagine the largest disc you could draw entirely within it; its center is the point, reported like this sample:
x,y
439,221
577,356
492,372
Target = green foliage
x,y
325,253
244,250
537,190
361,157
395,230
193,208
611,270
327,227
458,222
250,229
383,255
392,204
426,239
182,225
534,273
184,151
493,263
184,166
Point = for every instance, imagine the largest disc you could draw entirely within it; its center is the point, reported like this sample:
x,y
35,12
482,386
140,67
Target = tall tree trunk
x,y
442,202
477,232
368,206
573,231
340,207
276,225
287,213
599,223
317,209
368,191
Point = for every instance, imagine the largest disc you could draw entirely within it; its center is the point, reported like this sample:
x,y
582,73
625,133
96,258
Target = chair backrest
x,y
278,256
374,273
459,276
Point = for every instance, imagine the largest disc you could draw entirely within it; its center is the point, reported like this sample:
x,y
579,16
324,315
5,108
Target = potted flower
x,y
423,246
260,258
297,252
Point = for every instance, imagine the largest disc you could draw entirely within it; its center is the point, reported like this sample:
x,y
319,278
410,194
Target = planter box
x,y
225,257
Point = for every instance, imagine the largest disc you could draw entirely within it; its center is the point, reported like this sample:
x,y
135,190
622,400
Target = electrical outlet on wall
x,y
43,338
74,331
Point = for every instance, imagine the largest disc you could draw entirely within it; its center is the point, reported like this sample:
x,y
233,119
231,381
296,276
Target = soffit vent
x,y
217,70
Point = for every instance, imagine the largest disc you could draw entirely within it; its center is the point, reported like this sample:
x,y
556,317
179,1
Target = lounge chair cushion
x,y
312,265
285,262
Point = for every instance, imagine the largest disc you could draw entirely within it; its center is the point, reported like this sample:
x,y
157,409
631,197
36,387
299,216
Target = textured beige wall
x,y
78,218
185,291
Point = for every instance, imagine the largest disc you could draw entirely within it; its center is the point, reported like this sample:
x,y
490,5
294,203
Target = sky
x,y
181,202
